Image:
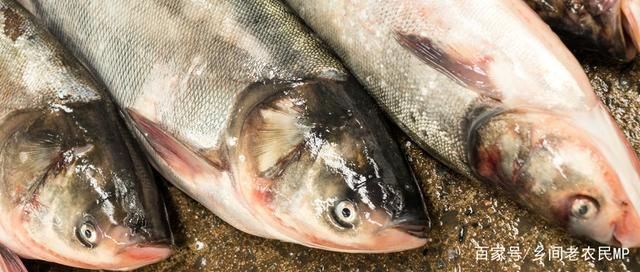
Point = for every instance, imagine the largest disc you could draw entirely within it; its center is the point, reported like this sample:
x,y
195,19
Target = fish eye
x,y
87,234
584,208
345,214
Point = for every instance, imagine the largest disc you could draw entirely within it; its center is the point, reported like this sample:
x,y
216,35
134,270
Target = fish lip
x,y
157,244
414,227
418,231
615,242
138,255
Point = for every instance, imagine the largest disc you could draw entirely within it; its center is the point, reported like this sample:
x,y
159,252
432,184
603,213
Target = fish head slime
x,y
81,199
326,171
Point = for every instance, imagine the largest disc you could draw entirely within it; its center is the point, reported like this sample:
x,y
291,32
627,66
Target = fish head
x,y
85,199
326,171
561,167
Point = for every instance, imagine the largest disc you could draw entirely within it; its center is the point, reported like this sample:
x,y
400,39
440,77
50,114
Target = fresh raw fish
x,y
72,190
611,26
488,88
244,110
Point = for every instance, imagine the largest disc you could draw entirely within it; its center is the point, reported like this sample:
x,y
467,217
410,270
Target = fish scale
x,y
242,108
137,54
488,89
68,173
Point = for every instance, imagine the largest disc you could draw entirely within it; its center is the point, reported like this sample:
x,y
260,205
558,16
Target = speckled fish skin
x,y
610,26
489,89
72,189
240,107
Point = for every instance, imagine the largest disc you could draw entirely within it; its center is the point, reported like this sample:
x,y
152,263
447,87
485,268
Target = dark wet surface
x,y
465,213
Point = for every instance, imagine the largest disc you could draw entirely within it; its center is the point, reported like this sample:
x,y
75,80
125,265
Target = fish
x,y
488,89
608,26
74,189
243,109
10,262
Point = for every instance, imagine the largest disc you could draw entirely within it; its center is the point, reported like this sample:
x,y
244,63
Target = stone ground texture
x,y
465,214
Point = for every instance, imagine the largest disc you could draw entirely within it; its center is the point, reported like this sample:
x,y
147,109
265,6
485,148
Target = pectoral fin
x,y
183,161
10,262
469,71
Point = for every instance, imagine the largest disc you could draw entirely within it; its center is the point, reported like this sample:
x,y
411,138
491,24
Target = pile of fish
x,y
241,106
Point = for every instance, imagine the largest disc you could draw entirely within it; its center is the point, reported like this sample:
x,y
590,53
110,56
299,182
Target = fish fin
x,y
36,150
281,137
180,158
40,153
10,262
468,71
631,20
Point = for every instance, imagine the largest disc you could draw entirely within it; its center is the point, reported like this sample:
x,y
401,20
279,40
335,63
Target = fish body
x,y
487,88
72,188
243,109
610,26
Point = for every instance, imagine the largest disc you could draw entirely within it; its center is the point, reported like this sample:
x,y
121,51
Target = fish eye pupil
x,y
346,212
583,209
88,233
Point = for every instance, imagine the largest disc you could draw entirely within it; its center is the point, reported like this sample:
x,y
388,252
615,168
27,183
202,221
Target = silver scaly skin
x,y
72,189
491,91
243,109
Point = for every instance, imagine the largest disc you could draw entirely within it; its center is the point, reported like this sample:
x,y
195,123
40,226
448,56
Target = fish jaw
x,y
136,256
625,232
388,240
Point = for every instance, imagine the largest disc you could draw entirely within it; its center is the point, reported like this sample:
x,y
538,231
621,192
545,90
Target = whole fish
x,y
488,88
72,189
611,26
244,110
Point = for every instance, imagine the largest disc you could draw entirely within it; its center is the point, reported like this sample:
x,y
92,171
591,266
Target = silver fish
x,y
72,189
611,26
244,110
488,88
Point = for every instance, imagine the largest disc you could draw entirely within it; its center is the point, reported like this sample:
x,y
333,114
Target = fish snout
x,y
400,237
415,223
143,230
403,233
139,246
626,232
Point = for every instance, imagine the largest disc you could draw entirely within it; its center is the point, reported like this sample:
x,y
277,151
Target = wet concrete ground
x,y
465,214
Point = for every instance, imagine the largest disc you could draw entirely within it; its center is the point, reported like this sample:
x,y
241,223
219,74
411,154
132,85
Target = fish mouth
x,y
625,232
135,256
415,230
412,225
